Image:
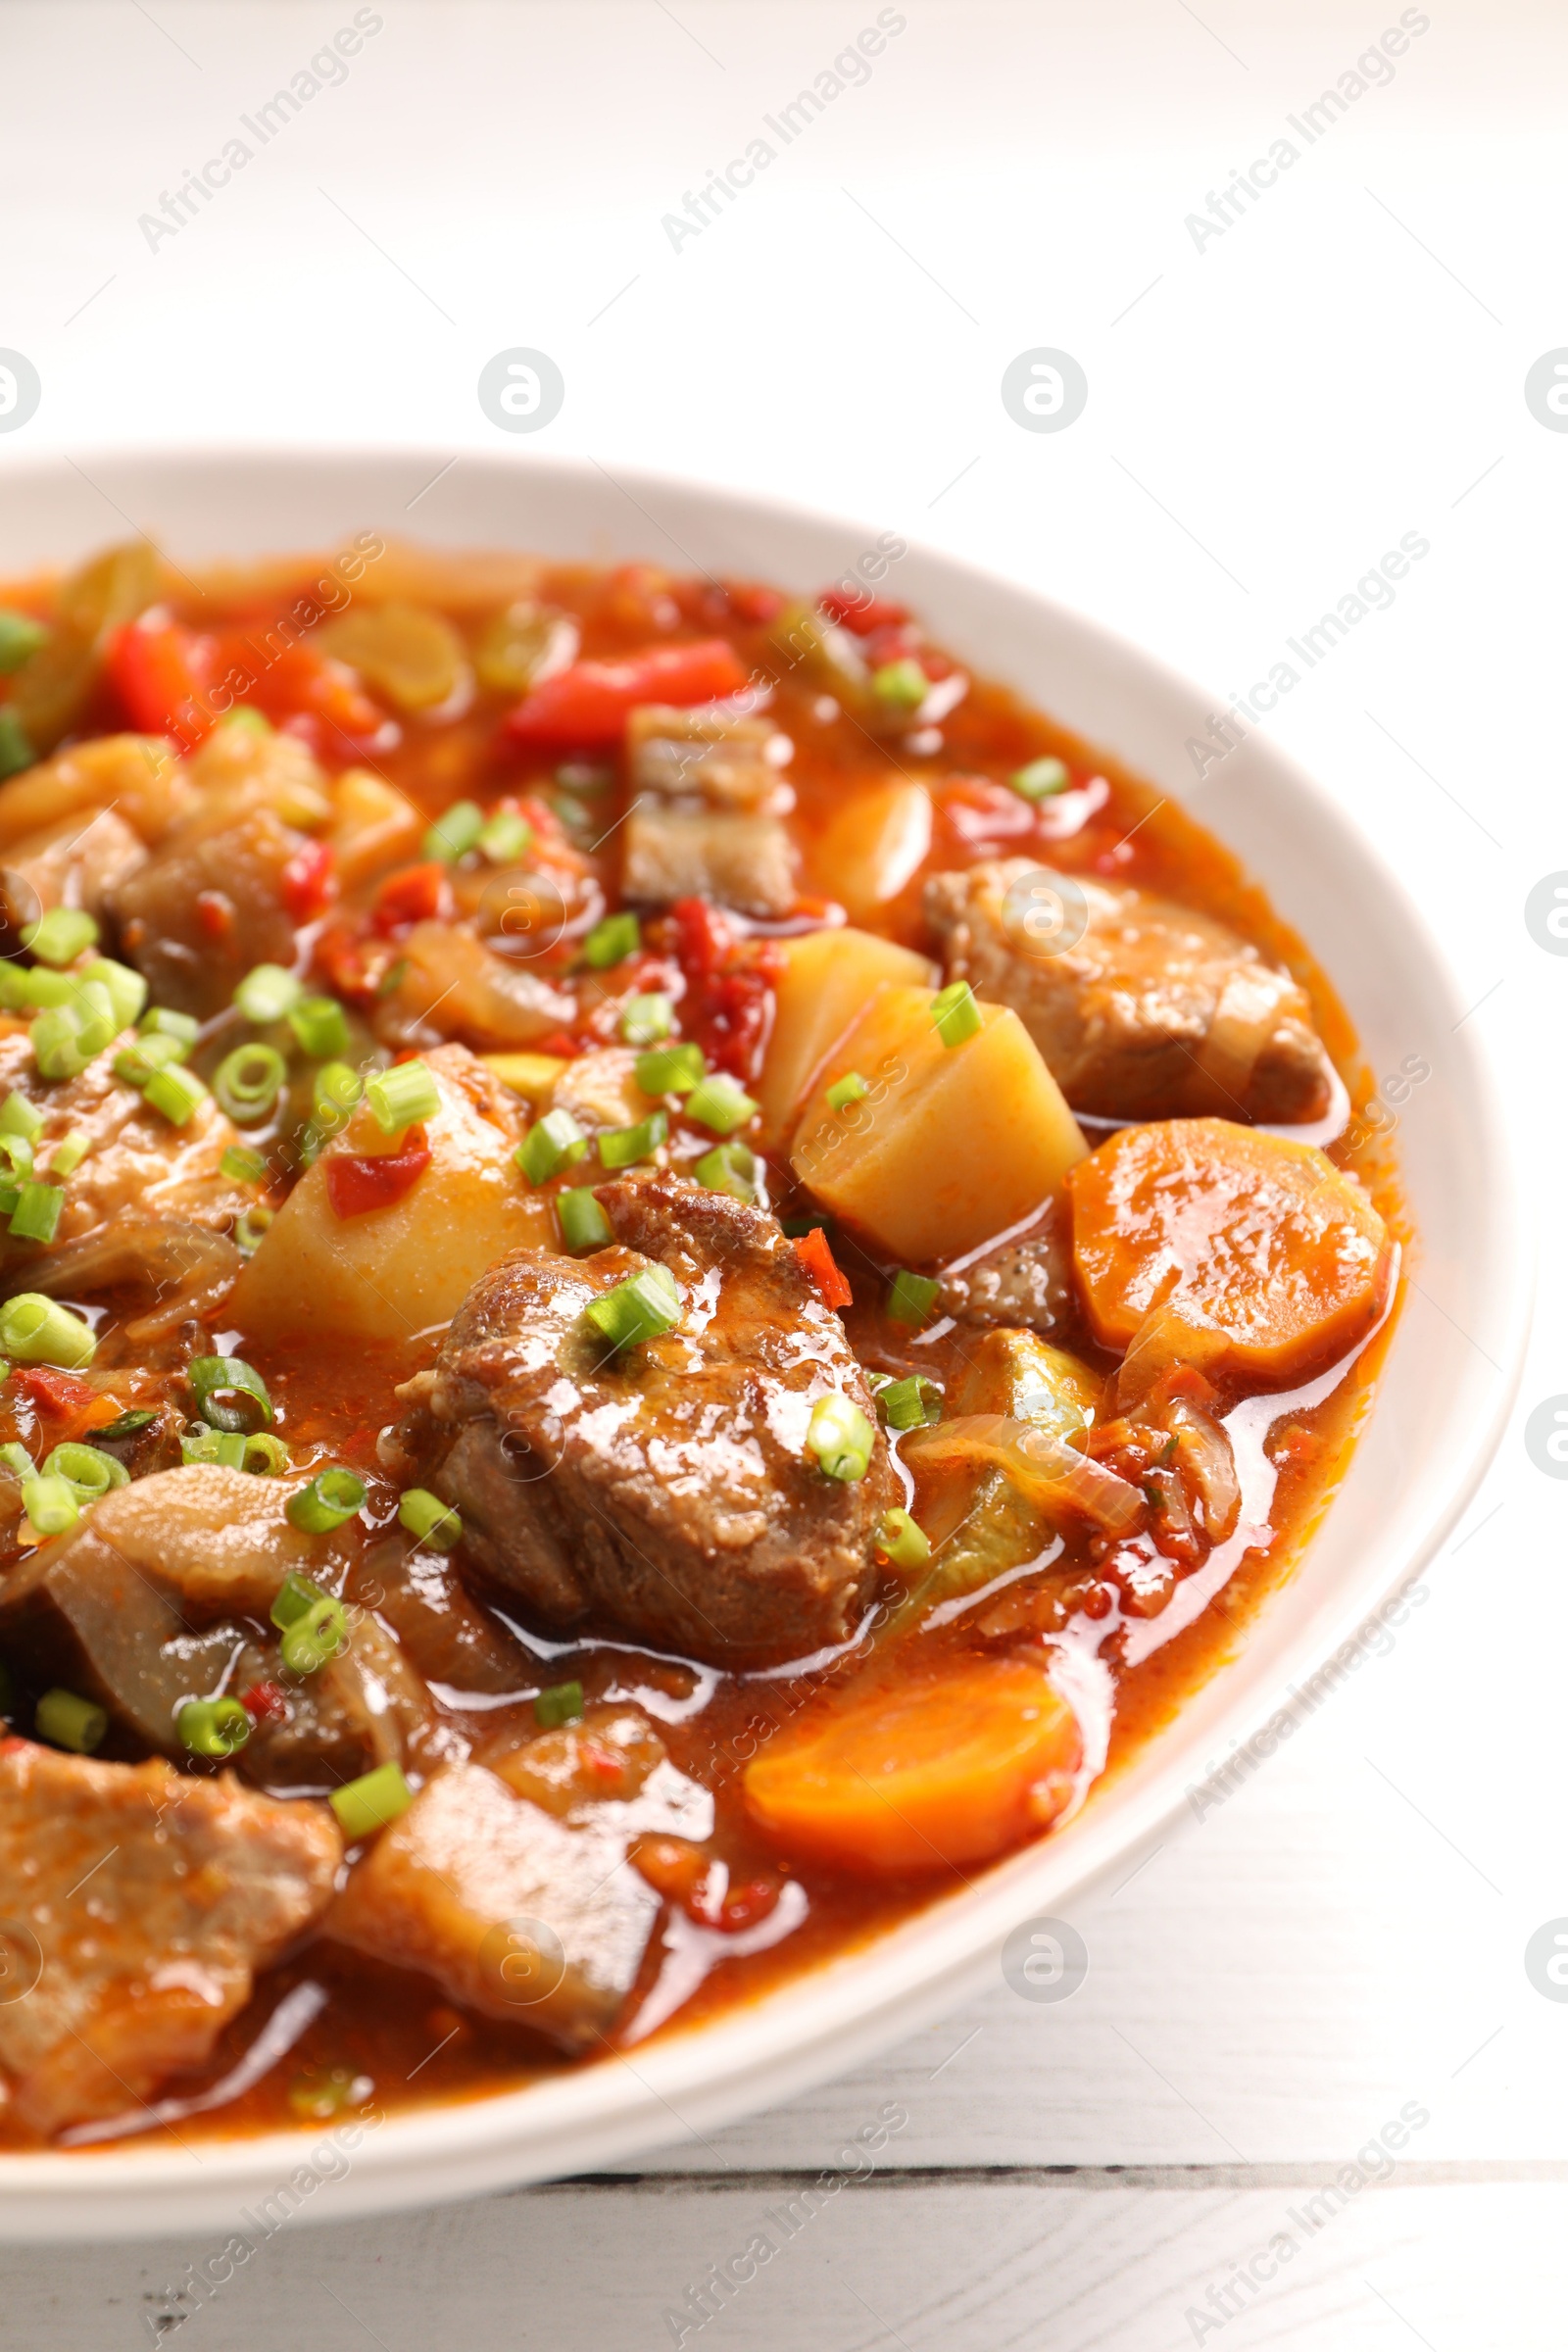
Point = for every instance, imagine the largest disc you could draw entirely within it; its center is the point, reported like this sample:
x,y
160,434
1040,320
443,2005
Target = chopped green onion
x,y
553,1143
454,835
37,1212
850,1088
163,1022
20,636
178,1092
315,1638
16,744
841,1438
1041,780
264,1455
911,1297
42,987
583,1223
331,1498
224,1447
65,1038
644,1021
13,985
613,941
241,1166
229,1393
902,685
127,990
321,1026
729,1168
560,1703
17,1153
213,1727
625,1147
670,1070
128,1425
248,719
248,1082
67,1721
16,1459
266,992
35,1330
249,1229
371,1801
901,1540
51,1504
316,2098
294,1600
18,1116
505,838
909,1403
136,1064
428,1519
336,1091
642,1307
60,936
402,1096
67,1154
955,1014
720,1105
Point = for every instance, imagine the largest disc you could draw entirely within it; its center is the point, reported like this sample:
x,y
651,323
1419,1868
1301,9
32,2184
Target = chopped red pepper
x,y
754,604
214,912
299,678
310,881
816,1260
359,1181
419,894
860,613
162,674
59,1393
588,704
265,1702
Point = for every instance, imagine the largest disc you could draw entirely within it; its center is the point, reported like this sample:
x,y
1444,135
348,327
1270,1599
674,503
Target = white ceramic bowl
x,y
1446,1388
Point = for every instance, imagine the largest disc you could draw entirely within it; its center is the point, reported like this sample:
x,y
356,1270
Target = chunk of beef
x,y
1026,1282
670,1489
706,819
144,1902
1152,1011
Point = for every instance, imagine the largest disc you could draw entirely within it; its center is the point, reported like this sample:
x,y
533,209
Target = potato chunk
x,y
829,978
950,1145
1266,1238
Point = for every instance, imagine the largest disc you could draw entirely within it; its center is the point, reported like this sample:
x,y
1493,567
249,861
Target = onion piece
x,y
1208,1465
1044,1467
186,1268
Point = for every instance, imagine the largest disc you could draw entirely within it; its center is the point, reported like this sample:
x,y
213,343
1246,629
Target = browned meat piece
x,y
706,814
1024,1283
146,1902
80,861
511,1887
1152,1012
670,1491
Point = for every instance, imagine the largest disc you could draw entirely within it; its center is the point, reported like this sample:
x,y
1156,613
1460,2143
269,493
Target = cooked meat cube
x,y
668,1489
1026,1282
448,984
1154,1011
80,861
706,814
150,1900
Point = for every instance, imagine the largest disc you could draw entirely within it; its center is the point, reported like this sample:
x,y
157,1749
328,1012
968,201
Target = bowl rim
x,y
850,2008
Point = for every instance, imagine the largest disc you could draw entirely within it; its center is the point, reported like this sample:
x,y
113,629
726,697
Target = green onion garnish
x,y
299,1604
249,1228
729,1168
902,685
625,1147
850,1088
37,1212
955,1014
16,1459
224,1449
315,1638
51,1504
911,1297
67,1154
644,1021
60,936
163,1022
403,1096
178,1092
428,1519
213,1727
42,987
454,835
332,1496
841,1438
18,1116
87,1471
127,990
266,992
16,744
65,1038
248,1082
613,941
20,636
264,1455
321,1026
370,1802
720,1105
505,838
229,1393
909,1403
248,719
137,1418
1042,779
336,1091
902,1541
35,1330
670,1070
67,1721
136,1064
241,1166
583,1223
560,1703
640,1308
553,1143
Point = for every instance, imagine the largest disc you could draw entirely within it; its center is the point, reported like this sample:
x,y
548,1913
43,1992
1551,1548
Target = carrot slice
x,y
950,1771
1267,1239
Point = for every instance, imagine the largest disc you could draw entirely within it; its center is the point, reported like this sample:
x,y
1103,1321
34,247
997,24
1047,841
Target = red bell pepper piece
x,y
163,673
419,894
816,1260
356,1182
310,882
861,614
58,1394
588,704
265,1702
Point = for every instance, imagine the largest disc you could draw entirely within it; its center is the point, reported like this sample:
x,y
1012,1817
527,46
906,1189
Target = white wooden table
x,y
1188,2149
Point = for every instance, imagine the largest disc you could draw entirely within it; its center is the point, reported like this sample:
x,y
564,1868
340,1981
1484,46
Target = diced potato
x,y
392,1272
372,826
874,846
952,1144
531,1076
829,979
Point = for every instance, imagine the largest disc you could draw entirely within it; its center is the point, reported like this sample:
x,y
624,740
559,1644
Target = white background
x,y
1344,366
